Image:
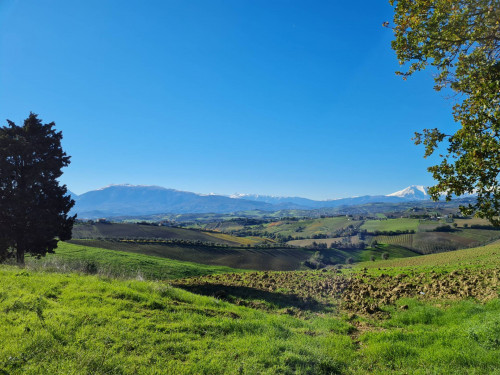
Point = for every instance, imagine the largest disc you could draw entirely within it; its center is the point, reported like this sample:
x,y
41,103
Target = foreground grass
x,y
461,338
120,264
75,324
277,323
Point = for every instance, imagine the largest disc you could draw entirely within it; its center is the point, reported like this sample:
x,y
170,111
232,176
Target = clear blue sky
x,y
269,97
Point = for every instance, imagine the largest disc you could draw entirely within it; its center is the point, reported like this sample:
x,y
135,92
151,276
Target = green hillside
x,y
484,257
71,324
120,264
247,258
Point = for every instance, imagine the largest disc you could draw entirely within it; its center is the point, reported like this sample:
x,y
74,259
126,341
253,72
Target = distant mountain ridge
x,y
118,200
126,200
413,192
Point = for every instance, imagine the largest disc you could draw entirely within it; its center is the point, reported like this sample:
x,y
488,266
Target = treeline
x,y
444,228
390,232
479,226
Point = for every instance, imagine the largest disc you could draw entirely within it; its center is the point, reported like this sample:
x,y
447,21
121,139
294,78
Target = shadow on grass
x,y
255,298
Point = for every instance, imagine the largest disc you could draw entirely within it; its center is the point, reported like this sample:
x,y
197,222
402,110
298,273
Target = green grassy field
x,y
484,257
120,264
391,225
363,320
71,324
435,314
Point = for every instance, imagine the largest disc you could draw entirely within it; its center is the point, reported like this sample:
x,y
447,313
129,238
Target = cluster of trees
x,y
445,228
479,226
317,261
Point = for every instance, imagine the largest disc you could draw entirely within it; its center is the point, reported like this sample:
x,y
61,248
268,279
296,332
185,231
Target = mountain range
x,y
130,200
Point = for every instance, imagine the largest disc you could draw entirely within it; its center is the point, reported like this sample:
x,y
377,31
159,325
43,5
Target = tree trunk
x,y
20,256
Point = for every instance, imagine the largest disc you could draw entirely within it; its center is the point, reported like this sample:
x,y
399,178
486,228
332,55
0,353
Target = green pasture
x,y
69,324
387,225
115,263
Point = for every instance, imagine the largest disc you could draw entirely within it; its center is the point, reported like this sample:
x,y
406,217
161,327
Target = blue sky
x,y
269,97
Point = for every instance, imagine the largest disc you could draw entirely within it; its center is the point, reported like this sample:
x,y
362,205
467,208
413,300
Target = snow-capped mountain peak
x,y
413,191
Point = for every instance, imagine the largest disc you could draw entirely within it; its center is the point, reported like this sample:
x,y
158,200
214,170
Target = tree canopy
x,y
33,205
460,41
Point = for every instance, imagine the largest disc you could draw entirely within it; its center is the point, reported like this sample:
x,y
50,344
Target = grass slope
x,y
122,264
70,324
480,257
251,258
276,323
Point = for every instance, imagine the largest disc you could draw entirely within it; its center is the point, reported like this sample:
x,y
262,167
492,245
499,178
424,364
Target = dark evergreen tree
x,y
33,205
